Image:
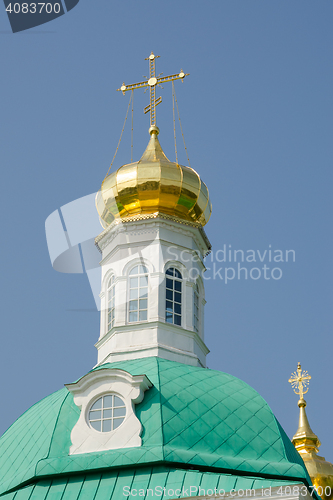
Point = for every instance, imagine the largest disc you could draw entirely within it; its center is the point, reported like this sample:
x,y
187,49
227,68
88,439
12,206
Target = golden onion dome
x,y
307,444
152,185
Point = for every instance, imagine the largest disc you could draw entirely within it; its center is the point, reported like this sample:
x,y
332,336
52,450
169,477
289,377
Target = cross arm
x,y
133,86
170,78
124,88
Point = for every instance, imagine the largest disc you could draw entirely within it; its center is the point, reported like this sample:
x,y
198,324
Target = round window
x,y
107,413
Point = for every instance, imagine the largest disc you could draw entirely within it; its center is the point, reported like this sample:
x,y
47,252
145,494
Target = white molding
x,y
201,286
88,389
137,262
149,217
164,340
147,226
179,266
106,277
159,351
152,324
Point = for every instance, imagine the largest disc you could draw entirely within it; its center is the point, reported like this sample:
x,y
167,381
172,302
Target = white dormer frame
x,y
99,383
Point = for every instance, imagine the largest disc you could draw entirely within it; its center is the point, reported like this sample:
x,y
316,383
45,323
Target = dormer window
x,y
107,413
173,305
106,400
138,294
111,303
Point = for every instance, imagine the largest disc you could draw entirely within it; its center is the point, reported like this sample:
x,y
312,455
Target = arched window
x,y
138,294
173,306
196,308
111,303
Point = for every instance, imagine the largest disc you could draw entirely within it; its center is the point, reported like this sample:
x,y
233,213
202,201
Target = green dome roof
x,y
192,418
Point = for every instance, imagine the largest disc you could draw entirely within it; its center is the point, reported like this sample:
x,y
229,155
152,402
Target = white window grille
x,y
173,305
138,294
107,413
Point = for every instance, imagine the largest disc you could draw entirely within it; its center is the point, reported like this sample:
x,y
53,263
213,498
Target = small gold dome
x,y
307,443
153,184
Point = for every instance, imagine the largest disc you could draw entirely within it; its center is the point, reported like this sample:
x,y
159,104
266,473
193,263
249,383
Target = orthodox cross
x,y
300,381
152,82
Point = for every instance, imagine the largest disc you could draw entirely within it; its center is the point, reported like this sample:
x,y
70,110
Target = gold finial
x,y
300,383
152,83
305,440
307,443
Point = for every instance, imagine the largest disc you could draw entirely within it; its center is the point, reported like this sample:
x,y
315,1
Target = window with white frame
x,y
196,307
111,302
173,304
107,413
138,294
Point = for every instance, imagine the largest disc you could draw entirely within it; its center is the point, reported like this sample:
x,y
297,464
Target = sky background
x,y
256,112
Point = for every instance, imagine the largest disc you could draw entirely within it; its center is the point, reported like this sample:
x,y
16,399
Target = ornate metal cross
x,y
300,381
152,82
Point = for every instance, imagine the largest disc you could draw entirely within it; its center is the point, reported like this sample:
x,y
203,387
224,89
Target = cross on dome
x,y
300,381
153,185
152,83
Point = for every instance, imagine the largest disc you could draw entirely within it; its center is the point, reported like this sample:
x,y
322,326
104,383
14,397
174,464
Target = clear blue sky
x,y
257,118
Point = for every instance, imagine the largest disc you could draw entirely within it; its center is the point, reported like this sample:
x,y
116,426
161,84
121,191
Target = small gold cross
x,y
152,82
300,381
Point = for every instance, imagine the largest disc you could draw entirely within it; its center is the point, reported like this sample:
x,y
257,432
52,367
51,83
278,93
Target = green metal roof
x,y
110,485
203,418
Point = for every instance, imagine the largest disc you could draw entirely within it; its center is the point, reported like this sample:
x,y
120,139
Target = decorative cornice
x,y
140,381
118,223
119,329
151,348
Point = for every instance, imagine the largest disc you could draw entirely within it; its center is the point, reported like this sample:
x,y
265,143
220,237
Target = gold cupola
x,y
154,185
307,443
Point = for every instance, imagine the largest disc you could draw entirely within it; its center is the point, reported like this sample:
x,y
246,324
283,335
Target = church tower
x,y
150,420
153,246
152,260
